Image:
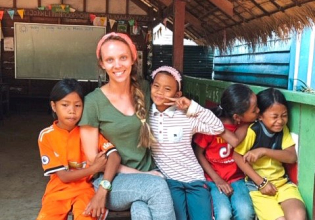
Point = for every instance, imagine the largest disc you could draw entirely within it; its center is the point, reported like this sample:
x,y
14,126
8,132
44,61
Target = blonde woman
x,y
119,110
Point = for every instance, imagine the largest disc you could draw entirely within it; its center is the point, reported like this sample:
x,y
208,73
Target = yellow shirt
x,y
265,166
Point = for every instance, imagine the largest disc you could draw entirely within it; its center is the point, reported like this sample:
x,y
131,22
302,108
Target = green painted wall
x,y
301,122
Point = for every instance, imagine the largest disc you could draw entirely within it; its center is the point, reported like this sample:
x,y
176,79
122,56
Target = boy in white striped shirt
x,y
174,120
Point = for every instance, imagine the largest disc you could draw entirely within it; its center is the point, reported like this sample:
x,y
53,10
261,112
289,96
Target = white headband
x,y
170,70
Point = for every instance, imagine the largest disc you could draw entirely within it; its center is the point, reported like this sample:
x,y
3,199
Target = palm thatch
x,y
253,21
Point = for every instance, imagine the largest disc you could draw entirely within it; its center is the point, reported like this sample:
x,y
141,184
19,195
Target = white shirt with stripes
x,y
173,130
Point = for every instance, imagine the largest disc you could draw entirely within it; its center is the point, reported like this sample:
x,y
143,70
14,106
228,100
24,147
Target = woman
x,y
119,111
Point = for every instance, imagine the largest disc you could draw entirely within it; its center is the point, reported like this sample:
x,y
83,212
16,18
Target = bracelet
x,y
263,184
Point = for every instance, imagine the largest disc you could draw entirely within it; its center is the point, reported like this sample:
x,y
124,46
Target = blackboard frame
x,y
56,51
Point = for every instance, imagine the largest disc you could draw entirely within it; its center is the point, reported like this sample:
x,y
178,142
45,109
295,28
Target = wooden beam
x,y
224,5
84,5
127,8
167,2
141,5
178,34
107,6
189,18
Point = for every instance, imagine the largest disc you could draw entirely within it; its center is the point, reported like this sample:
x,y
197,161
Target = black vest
x,y
266,139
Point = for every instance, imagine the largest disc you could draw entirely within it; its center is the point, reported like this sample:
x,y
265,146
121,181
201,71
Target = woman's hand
x,y
269,189
181,103
96,207
99,162
253,155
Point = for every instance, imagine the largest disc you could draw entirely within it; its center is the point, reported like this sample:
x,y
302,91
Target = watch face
x,y
106,184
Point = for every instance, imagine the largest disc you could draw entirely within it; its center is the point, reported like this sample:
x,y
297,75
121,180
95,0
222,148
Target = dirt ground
x,y
22,181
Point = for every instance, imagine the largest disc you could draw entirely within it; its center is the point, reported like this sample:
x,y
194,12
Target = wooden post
x,y
178,34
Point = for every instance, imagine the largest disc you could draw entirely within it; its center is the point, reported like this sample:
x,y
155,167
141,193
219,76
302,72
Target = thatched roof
x,y
218,23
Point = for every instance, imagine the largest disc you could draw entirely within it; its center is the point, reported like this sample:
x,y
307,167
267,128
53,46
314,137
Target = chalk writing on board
x,y
54,51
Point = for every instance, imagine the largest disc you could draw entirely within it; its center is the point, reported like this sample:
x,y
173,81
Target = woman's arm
x,y
74,175
89,141
222,185
97,204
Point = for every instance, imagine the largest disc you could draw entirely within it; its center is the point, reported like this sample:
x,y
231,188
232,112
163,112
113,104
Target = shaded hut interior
x,y
215,25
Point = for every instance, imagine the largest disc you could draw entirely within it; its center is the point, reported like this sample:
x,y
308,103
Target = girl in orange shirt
x,y
69,187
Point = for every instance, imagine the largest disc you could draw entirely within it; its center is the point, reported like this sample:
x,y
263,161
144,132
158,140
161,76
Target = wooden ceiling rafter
x,y
202,17
107,4
228,15
297,3
260,7
225,6
231,26
259,16
251,20
218,18
277,5
247,10
127,7
189,18
158,4
166,3
240,16
188,33
141,5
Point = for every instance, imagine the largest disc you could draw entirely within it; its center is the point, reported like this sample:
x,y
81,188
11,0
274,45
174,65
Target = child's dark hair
x,y
63,88
234,100
268,97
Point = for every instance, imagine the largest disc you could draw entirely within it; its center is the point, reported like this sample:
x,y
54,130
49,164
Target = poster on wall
x,y
8,44
122,26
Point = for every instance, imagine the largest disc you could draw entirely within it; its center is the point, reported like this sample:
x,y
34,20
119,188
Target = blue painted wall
x,y
277,64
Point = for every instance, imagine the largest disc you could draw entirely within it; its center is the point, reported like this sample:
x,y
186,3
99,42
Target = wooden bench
x,y
123,215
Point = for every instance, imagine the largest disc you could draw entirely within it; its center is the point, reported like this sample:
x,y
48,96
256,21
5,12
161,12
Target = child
x,y
266,146
174,120
62,158
230,196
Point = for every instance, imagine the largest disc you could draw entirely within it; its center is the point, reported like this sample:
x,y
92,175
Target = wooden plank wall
x,y
281,64
198,60
302,64
266,66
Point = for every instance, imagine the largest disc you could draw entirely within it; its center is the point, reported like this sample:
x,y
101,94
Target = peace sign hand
x,y
181,103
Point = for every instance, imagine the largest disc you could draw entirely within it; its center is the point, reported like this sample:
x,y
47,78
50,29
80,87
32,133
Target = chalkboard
x,y
54,51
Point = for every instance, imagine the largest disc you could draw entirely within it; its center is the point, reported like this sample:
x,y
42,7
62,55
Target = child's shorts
x,y
268,207
58,209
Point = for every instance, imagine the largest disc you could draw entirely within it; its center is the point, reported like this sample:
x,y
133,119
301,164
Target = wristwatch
x,y
106,185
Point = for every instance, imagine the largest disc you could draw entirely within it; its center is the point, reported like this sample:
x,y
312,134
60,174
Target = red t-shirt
x,y
219,155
